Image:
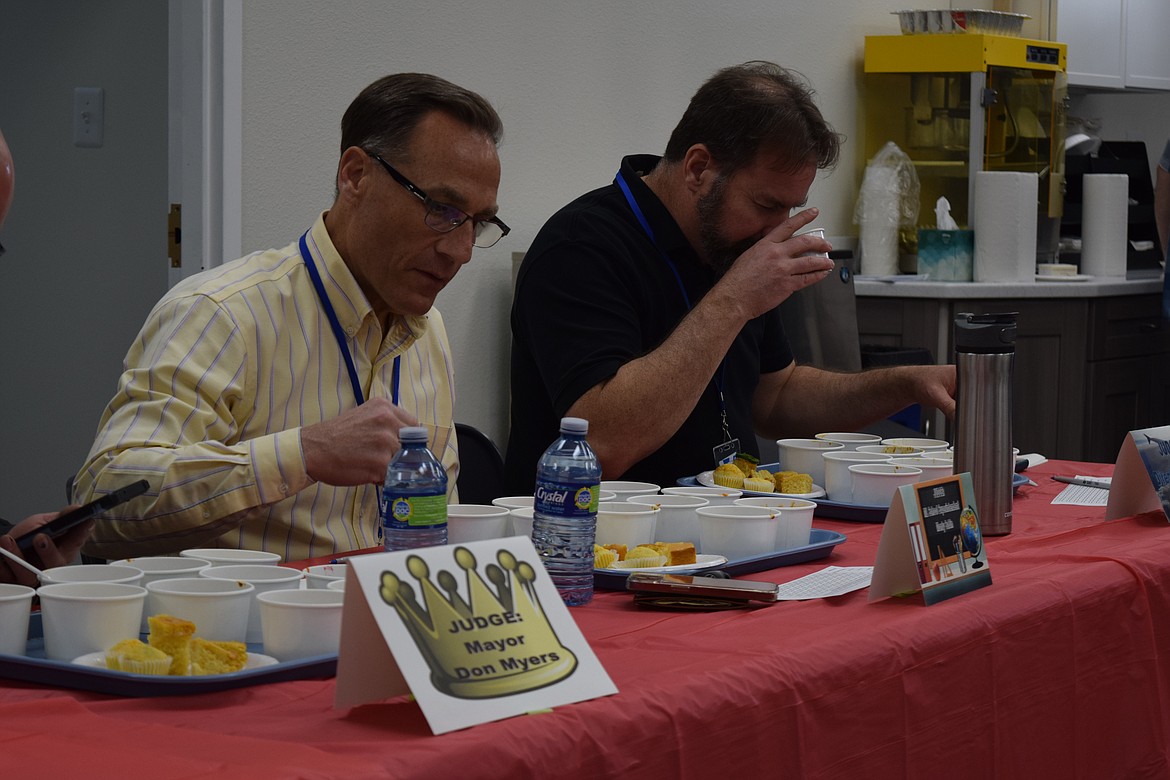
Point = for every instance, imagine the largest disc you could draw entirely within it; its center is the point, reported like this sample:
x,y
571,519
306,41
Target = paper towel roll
x,y
1105,224
1005,226
879,222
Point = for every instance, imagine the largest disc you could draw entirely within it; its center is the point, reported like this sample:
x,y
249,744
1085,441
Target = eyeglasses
x,y
443,218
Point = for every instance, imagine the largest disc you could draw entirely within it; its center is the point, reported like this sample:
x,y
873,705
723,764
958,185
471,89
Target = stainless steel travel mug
x,y
985,355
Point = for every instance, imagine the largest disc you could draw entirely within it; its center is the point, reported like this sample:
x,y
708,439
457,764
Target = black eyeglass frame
x,y
437,213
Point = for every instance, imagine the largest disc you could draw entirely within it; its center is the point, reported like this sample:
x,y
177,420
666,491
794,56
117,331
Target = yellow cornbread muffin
x,y
137,657
172,635
619,549
792,482
728,475
209,657
746,463
676,553
644,556
759,483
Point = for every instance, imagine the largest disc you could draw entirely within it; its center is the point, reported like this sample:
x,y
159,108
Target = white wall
x,y
578,85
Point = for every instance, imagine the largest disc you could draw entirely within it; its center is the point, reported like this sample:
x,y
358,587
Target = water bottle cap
x,y
985,333
574,425
413,433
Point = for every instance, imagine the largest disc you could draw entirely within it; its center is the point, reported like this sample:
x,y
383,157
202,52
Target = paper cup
x,y
161,567
228,557
514,502
891,450
623,489
15,605
521,519
715,496
218,608
476,522
336,585
93,572
677,521
737,532
838,479
794,523
851,441
932,467
804,456
263,578
926,445
321,575
301,623
79,618
874,484
620,522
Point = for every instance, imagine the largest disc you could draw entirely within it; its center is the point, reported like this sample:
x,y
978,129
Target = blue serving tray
x,y
820,544
34,667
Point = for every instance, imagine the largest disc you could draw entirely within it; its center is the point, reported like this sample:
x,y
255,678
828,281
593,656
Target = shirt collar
x,y
667,234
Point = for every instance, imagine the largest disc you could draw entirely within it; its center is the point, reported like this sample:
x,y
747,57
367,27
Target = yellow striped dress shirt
x,y
229,366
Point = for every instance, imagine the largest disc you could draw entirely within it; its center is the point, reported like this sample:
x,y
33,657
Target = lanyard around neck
x,y
721,375
338,333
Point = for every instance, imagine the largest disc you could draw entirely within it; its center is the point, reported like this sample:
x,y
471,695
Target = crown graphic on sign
x,y
495,642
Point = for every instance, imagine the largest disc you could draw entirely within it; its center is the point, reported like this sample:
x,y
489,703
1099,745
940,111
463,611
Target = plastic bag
x,y
888,200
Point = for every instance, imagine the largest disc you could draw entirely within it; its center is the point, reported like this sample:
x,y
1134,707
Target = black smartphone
x,y
75,517
692,585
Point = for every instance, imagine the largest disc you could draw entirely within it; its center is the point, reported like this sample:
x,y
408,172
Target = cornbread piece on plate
x,y
172,635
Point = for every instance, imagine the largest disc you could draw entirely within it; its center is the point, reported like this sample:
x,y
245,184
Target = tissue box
x,y
946,255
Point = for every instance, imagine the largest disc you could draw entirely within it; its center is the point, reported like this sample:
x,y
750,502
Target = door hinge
x,y
175,235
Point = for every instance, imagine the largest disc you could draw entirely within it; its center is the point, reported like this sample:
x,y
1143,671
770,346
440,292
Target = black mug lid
x,y
986,333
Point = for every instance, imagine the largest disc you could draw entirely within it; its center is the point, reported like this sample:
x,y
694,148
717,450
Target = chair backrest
x,y
481,466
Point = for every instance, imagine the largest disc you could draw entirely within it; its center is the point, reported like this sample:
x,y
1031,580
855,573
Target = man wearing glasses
x,y
262,399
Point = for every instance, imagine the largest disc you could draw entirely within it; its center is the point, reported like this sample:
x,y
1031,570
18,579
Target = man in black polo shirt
x,y
648,307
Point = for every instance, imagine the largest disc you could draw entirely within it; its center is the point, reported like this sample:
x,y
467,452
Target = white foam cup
x,y
804,456
15,605
514,502
93,572
794,523
230,557
622,489
321,575
677,521
891,450
874,484
838,479
620,522
715,496
932,467
476,522
737,531
264,578
79,618
851,440
521,519
336,585
301,623
218,608
926,445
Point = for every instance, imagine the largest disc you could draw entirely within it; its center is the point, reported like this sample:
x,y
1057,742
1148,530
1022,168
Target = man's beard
x,y
718,252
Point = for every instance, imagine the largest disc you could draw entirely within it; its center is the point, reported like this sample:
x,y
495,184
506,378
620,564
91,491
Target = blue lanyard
x,y
719,378
338,333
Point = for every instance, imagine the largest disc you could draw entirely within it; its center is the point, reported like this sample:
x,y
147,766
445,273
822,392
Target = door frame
x,y
205,130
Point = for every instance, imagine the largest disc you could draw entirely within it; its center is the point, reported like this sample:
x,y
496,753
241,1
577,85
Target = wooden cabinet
x,y
1087,369
1115,43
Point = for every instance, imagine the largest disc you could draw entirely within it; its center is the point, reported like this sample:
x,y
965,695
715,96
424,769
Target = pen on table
x,y
1090,482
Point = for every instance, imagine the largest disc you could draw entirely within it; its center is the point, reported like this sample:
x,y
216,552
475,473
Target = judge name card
x,y
476,632
1141,476
931,543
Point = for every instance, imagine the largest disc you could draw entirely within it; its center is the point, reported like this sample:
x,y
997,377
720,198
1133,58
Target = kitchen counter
x,y
1138,283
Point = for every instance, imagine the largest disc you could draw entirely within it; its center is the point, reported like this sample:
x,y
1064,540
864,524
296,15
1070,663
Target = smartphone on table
x,y
708,587
69,520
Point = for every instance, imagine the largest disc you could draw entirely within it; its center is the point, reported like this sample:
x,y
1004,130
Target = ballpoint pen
x,y
1093,482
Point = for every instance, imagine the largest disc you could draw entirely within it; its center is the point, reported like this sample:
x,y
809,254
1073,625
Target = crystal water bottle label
x,y
566,500
401,512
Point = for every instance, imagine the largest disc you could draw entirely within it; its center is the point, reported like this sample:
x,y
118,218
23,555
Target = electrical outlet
x,y
88,116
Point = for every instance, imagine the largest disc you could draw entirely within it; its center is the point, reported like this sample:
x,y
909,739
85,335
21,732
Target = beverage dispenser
x,y
959,104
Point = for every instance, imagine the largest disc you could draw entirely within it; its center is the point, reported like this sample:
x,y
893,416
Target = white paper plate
x,y
701,562
98,661
707,479
1057,278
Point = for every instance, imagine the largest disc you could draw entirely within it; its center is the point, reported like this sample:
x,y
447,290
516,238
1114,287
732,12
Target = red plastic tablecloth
x,y
1059,669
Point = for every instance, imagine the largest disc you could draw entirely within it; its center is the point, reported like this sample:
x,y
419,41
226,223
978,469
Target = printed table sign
x,y
1141,476
477,632
931,543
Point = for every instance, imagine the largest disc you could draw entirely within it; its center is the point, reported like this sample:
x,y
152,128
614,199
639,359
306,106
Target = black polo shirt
x,y
594,293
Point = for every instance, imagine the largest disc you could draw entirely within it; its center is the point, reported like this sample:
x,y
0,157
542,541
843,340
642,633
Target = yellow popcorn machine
x,y
962,103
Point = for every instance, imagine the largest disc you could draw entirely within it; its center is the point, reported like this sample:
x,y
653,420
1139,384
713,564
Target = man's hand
x,y
60,553
777,265
354,447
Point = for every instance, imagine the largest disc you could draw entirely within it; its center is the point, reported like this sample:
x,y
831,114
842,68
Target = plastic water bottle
x,y
414,496
564,520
